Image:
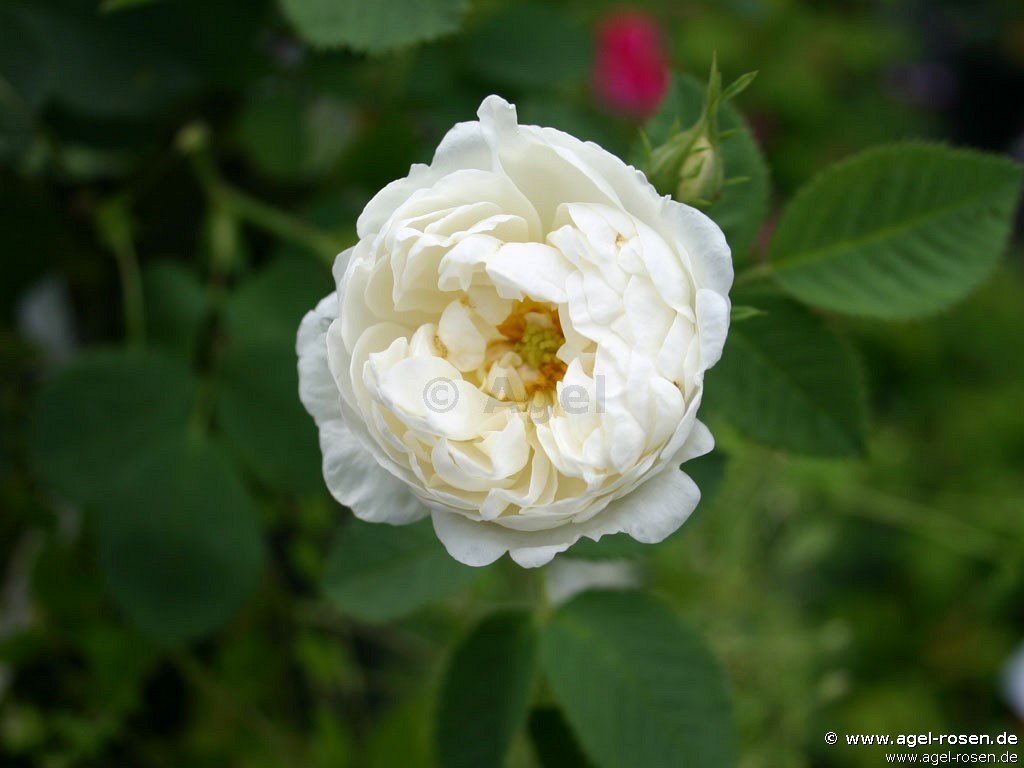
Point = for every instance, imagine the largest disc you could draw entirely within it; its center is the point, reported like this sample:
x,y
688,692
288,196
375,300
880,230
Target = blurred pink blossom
x,y
630,69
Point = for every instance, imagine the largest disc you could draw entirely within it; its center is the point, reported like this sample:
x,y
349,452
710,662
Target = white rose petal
x,y
517,346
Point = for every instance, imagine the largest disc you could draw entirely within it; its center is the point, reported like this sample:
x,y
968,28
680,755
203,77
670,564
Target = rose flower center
x,y
533,332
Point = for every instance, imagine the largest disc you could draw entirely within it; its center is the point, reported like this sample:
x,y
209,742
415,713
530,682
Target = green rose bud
x,y
689,165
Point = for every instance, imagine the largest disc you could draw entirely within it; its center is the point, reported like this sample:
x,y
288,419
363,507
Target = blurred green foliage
x,y
237,140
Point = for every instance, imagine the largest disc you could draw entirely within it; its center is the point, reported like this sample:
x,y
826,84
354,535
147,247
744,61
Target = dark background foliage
x,y
175,177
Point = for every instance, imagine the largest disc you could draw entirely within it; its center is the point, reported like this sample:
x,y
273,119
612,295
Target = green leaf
x,y
788,381
533,46
486,691
742,208
259,411
176,306
372,27
179,546
270,305
638,687
553,742
95,421
898,231
380,572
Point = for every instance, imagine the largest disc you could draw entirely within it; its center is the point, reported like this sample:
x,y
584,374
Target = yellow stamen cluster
x,y
534,333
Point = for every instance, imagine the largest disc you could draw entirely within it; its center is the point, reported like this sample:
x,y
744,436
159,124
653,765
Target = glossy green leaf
x,y
637,686
486,691
259,411
788,381
179,544
380,572
373,27
95,420
898,231
742,207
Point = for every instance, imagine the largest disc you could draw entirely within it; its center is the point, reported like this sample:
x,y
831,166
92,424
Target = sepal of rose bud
x,y
690,165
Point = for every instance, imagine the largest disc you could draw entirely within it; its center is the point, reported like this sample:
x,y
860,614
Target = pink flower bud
x,y
630,69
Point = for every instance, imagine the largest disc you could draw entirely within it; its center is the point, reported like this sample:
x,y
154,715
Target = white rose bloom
x,y
517,347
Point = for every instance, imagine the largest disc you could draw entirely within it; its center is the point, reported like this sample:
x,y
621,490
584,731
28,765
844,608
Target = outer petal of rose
x,y
317,389
655,510
648,513
658,507
699,442
356,479
479,543
713,321
710,256
546,173
693,231
663,501
464,146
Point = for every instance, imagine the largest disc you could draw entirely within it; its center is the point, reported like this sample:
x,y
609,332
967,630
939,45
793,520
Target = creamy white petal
x,y
658,507
479,543
713,320
356,479
317,388
705,246
529,269
699,442
464,342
